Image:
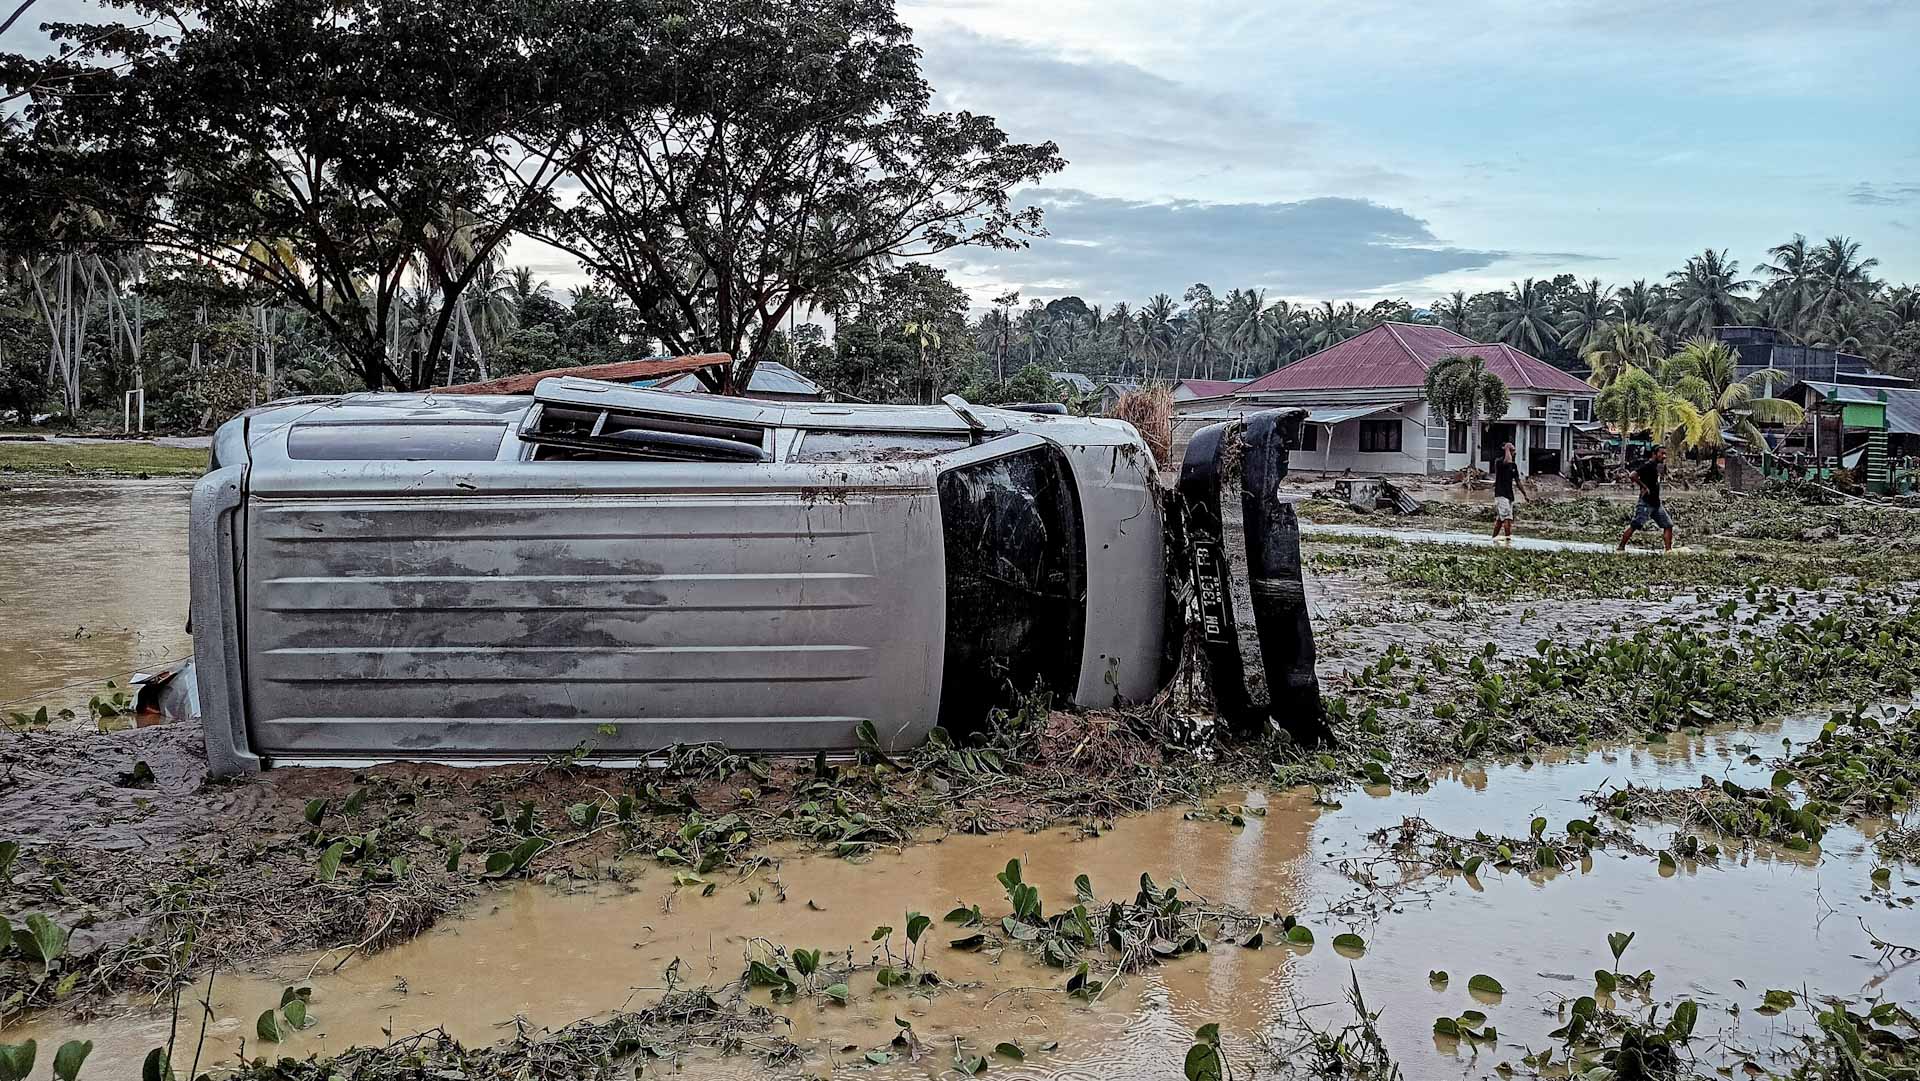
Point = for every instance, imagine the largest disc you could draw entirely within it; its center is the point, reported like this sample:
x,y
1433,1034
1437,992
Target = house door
x,y
1492,438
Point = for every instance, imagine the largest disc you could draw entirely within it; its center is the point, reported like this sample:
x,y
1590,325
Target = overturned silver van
x,y
473,579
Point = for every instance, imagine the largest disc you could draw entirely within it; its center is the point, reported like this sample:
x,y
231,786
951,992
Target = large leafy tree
x,y
737,159
327,153
1463,391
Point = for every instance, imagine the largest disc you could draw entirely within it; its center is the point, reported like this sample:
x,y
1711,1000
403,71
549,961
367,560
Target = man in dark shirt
x,y
1648,510
1506,479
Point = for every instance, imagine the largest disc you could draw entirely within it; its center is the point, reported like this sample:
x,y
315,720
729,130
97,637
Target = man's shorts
x,y
1502,509
1645,513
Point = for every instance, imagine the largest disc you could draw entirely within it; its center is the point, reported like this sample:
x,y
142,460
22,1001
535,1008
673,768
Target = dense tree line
x,y
356,168
245,198
1822,295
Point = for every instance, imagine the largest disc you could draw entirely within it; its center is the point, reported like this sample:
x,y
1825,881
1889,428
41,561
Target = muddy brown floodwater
x,y
94,581
1719,933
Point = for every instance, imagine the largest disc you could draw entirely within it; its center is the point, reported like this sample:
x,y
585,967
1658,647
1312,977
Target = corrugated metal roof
x,y
1903,406
1212,388
1081,384
769,377
1399,354
625,371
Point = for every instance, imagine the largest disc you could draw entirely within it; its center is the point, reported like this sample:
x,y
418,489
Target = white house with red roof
x,y
1367,409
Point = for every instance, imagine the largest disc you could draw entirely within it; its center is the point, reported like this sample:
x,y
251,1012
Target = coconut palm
x,y
1620,347
1285,331
924,334
1525,317
1642,303
1462,391
1452,311
1588,312
1706,293
1790,287
1203,334
1706,373
1841,278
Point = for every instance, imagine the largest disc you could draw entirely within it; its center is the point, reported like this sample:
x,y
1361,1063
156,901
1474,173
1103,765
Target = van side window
x,y
466,441
1016,582
577,433
841,446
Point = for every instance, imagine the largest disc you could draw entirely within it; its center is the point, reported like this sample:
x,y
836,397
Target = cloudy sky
x,y
1355,149
1366,148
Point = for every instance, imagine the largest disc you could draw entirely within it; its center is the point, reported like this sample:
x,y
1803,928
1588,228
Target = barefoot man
x,y
1648,510
1506,487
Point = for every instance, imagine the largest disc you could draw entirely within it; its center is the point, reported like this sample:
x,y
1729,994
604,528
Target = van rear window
x,y
415,441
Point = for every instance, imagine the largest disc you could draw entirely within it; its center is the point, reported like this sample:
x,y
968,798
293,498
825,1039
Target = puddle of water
x,y
1770,918
95,577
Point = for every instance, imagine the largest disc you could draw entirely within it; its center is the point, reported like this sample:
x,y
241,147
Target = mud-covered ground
x,y
1438,660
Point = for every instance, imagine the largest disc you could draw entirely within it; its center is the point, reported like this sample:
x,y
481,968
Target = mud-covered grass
x,y
115,458
177,873
1864,764
1752,658
629,1043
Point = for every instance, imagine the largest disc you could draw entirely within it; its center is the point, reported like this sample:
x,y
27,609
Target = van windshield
x,y
1016,582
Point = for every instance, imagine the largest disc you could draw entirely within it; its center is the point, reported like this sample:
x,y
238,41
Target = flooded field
x,y
1722,920
1718,931
95,586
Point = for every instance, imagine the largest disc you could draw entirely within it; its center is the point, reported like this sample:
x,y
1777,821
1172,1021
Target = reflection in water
x,y
94,580
1770,919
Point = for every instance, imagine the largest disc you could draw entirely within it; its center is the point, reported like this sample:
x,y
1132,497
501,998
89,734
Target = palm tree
x,y
1789,292
1452,312
924,334
1620,347
1628,404
1156,320
1329,326
1840,277
1588,313
1203,334
1246,327
1284,331
1642,303
524,288
1706,293
1706,374
1462,391
1525,317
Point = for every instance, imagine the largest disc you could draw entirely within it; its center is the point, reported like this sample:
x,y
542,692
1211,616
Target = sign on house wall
x,y
1559,412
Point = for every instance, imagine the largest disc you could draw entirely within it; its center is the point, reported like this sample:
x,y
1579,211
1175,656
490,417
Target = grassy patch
x,y
127,458
1717,515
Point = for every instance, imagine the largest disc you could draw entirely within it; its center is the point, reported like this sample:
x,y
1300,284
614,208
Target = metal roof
x,y
1399,354
1903,405
769,377
1324,415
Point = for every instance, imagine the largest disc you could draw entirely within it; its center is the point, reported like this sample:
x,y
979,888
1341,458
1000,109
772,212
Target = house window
x,y
1379,436
1456,439
1582,410
1309,437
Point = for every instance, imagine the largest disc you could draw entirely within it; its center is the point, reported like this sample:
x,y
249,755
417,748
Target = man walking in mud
x,y
1648,510
1506,487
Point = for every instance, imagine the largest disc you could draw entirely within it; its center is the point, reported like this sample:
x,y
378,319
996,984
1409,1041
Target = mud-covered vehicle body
x,y
465,578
